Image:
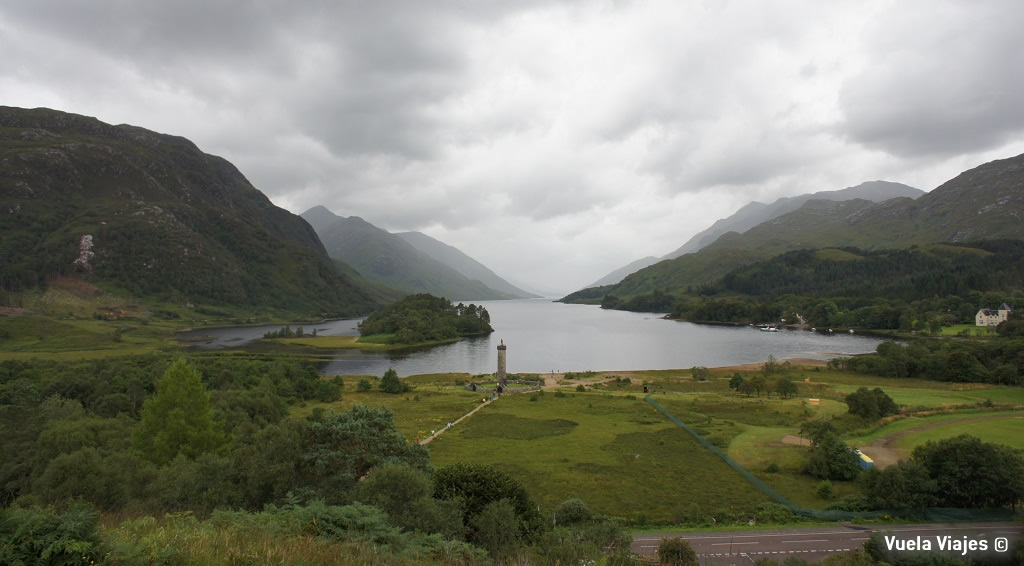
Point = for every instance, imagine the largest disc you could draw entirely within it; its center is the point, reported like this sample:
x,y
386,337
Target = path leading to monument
x,y
457,421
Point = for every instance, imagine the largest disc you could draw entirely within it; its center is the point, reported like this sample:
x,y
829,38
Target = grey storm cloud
x,y
583,134
941,80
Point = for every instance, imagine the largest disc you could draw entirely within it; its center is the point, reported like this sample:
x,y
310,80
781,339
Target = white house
x,y
992,317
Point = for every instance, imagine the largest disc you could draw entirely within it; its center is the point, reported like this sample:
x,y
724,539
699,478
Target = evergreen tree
x,y
178,418
391,384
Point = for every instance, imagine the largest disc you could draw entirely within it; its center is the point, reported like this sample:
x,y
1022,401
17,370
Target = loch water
x,y
544,336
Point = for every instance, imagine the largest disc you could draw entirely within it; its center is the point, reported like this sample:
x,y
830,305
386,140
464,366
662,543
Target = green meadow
x,y
434,401
1003,427
615,452
921,397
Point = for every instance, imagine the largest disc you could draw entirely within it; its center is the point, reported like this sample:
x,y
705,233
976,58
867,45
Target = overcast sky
x,y
552,141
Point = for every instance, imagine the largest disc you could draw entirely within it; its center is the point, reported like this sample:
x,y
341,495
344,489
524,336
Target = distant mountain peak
x,y
755,213
320,217
392,260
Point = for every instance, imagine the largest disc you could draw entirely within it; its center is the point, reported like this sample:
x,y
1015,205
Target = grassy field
x,y
615,452
1000,427
1006,429
970,329
72,319
435,401
36,336
921,397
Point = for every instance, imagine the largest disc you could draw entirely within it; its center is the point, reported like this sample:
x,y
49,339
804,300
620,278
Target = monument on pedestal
x,y
502,377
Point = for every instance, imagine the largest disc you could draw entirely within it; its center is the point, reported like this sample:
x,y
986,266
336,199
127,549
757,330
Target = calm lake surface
x,y
543,336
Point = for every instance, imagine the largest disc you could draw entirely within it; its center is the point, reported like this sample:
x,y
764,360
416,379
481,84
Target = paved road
x,y
814,544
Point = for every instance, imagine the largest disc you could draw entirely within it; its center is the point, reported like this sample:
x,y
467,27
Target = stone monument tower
x,y
502,377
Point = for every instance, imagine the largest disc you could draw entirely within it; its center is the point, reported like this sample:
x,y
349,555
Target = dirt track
x,y
884,455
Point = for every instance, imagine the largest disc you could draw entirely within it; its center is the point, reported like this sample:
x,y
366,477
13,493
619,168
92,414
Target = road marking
x,y
813,540
731,543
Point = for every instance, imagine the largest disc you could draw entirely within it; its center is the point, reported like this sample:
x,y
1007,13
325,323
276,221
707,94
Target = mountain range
x,y
986,202
410,262
755,213
151,215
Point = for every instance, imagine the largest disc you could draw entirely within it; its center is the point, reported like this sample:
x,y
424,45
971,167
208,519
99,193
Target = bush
x,y
496,529
824,490
771,512
580,388
479,485
572,511
676,552
364,385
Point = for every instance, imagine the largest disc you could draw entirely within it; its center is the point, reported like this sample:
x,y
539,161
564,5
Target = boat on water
x,y
768,328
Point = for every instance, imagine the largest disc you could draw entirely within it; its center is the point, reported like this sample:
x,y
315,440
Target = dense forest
x,y
424,318
210,442
907,274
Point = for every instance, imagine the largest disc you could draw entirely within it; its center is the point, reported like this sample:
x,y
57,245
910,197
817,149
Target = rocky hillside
x,y
152,215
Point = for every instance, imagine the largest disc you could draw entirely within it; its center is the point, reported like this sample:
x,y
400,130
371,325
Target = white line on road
x,y
730,543
814,540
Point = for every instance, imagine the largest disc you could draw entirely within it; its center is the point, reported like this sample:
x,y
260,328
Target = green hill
x,y
986,202
459,261
756,213
907,274
387,259
151,215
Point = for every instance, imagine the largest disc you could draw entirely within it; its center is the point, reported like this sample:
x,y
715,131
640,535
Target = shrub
x,y
824,490
572,511
676,552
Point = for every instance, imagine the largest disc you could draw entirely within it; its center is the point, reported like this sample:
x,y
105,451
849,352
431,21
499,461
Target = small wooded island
x,y
416,320
424,318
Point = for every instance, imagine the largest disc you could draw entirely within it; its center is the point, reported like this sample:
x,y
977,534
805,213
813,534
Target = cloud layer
x,y
552,141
